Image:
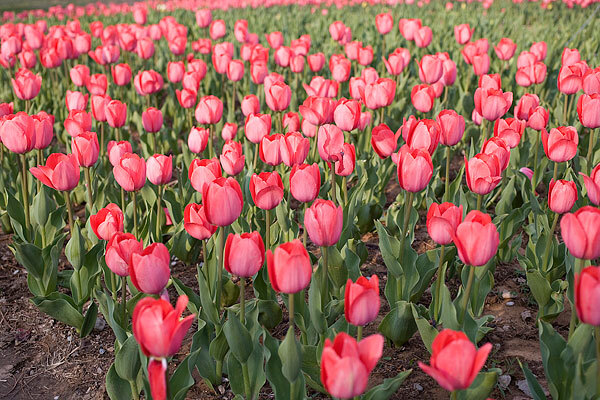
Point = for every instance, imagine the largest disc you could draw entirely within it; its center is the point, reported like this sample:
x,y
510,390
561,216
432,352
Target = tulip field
x,y
285,199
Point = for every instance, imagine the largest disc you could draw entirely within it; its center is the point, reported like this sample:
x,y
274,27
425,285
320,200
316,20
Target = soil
x,y
41,358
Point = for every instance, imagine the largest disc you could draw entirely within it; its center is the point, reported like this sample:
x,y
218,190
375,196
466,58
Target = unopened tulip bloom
x,y
195,222
98,104
152,119
79,75
269,149
421,134
266,190
591,81
121,74
149,269
61,172
77,122
324,222
560,144
397,61
291,122
317,110
278,96
209,110
85,148
526,103
203,18
217,29
476,239
538,118
415,169
203,172
186,97
587,295
423,37
455,362
562,195
130,172
120,248
510,130
592,185
588,110
229,131
223,201
492,104
244,254
175,71
505,49
379,94
347,114
570,77
361,300
289,267
26,84
108,221
430,69
452,127
346,163
250,105
148,82
539,49
422,97
492,81
293,148
581,232
116,113
97,84
305,182
330,142
384,23
497,147
346,364
76,100
257,127
384,141
462,33
316,61
116,150
17,132
442,221
159,169
43,125
232,159
483,173
340,68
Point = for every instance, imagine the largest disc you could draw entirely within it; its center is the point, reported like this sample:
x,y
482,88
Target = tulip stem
x,y
590,153
123,200
243,300
324,275
566,102
548,250
211,150
88,183
454,395
479,201
535,157
555,174
597,335
483,131
333,194
359,333
158,213
438,285
134,390
268,228
135,222
113,286
304,232
25,190
247,388
40,161
467,293
101,139
220,267
447,182
291,310
313,150
381,116
124,301
345,190
579,264
69,211
117,134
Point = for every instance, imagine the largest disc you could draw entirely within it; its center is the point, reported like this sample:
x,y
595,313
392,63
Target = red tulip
x,y
570,56
149,269
384,23
217,29
85,148
107,222
483,173
98,105
316,61
130,172
321,87
269,149
505,49
195,222
152,119
384,141
591,81
347,114
158,328
539,49
492,104
361,300
526,104
497,147
250,105
175,71
510,130
423,36
76,101
278,96
209,110
258,72
538,118
148,82
116,150
248,255
421,134
415,169
592,185
562,195
17,132
452,127
318,110
324,222
257,127
26,84
291,122
330,142
121,74
587,295
422,97
442,221
289,267
481,64
78,122
346,163
346,364
462,33
97,84
397,61
305,182
476,239
581,232
560,144
223,201
116,113
235,70
266,189
121,246
186,97
61,172
6,109
229,131
455,362
430,69
203,172
588,110
275,39
203,18
293,148
379,94
570,77
340,68
493,81
232,159
408,27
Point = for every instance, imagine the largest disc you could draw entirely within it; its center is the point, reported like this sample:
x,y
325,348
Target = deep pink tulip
x,y
61,172
476,239
244,254
150,269
266,190
107,222
289,267
130,172
195,222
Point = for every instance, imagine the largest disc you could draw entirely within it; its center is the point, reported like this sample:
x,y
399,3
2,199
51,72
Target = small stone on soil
x,y
418,387
504,381
100,324
510,303
523,387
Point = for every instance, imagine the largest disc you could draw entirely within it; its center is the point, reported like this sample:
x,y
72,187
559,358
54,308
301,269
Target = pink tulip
x,y
61,172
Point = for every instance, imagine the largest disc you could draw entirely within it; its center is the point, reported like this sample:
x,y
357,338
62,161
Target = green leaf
x,y
59,306
127,360
290,354
75,249
481,387
427,332
399,324
90,320
386,389
117,388
238,337
182,380
219,347
208,307
534,386
30,257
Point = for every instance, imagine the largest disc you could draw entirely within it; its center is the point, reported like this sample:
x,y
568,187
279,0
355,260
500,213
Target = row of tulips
x,y
228,206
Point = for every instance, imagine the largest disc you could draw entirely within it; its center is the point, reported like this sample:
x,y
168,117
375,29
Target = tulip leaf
x,y
219,347
255,363
42,207
60,306
311,368
238,337
427,332
279,383
181,380
208,307
399,324
269,313
75,249
194,303
535,388
481,387
17,216
116,387
290,353
30,257
314,307
89,320
386,389
205,362
127,360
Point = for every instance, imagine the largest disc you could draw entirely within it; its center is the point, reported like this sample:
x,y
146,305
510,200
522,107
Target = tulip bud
x,y
223,201
587,295
266,189
119,250
289,267
305,182
415,169
107,222
442,221
361,300
159,169
149,270
195,222
152,119
476,239
130,172
247,256
581,234
61,172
